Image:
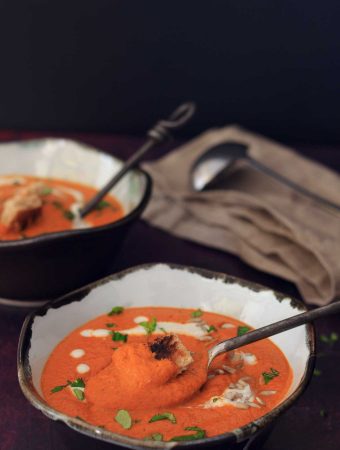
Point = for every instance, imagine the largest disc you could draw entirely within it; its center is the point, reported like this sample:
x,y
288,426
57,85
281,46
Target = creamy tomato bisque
x,y
31,206
142,372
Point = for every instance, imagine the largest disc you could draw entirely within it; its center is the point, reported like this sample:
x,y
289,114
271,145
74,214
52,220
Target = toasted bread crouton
x,y
22,209
171,347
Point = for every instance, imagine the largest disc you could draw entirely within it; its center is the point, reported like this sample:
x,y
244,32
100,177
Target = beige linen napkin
x,y
265,223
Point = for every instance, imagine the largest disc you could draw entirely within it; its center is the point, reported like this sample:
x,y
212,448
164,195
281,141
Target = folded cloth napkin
x,y
265,223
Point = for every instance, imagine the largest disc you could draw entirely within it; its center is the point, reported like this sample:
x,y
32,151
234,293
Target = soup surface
x,y
142,372
30,206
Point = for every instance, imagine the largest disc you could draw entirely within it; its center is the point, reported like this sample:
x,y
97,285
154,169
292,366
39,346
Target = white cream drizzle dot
x,y
227,325
140,319
86,333
77,353
83,368
100,332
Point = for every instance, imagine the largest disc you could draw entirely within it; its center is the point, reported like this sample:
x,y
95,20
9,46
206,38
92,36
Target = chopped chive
x,y
163,416
116,336
333,337
269,376
211,328
215,399
58,388
57,204
74,385
197,313
200,434
79,394
163,329
154,437
323,413
102,205
242,330
149,326
116,310
78,383
110,325
68,214
124,419
46,190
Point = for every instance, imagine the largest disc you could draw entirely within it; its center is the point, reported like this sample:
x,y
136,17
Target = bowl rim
x,y
81,232
237,435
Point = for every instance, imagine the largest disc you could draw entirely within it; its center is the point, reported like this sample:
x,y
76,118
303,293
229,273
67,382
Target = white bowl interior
x,y
164,286
72,161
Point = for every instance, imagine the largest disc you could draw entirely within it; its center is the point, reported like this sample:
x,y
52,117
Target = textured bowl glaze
x,y
165,285
47,266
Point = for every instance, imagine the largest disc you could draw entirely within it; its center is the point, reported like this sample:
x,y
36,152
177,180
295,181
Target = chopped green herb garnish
x,y
197,313
57,205
149,326
163,416
79,394
317,372
110,325
68,214
124,419
78,383
333,337
116,336
58,388
154,437
74,385
46,190
200,434
269,376
116,310
211,328
242,330
215,399
102,205
163,329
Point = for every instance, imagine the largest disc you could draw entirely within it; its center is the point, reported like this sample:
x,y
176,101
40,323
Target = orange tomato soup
x,y
58,202
115,372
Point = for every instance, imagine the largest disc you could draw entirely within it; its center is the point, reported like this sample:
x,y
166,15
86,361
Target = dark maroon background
x,y
303,427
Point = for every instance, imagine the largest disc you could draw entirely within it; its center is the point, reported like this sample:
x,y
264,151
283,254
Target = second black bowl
x,y
47,266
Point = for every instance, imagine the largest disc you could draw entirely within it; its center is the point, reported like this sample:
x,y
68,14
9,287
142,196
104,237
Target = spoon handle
x,y
272,329
158,134
282,179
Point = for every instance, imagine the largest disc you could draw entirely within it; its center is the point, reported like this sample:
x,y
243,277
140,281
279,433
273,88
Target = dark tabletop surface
x,y
312,423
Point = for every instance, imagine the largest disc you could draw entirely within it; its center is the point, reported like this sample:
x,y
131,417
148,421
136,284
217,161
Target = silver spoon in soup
x,y
271,330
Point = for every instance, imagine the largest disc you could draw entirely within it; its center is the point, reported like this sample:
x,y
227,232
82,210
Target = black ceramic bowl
x,y
50,265
164,285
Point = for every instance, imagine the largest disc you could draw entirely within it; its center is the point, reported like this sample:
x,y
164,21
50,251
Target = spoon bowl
x,y
215,164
